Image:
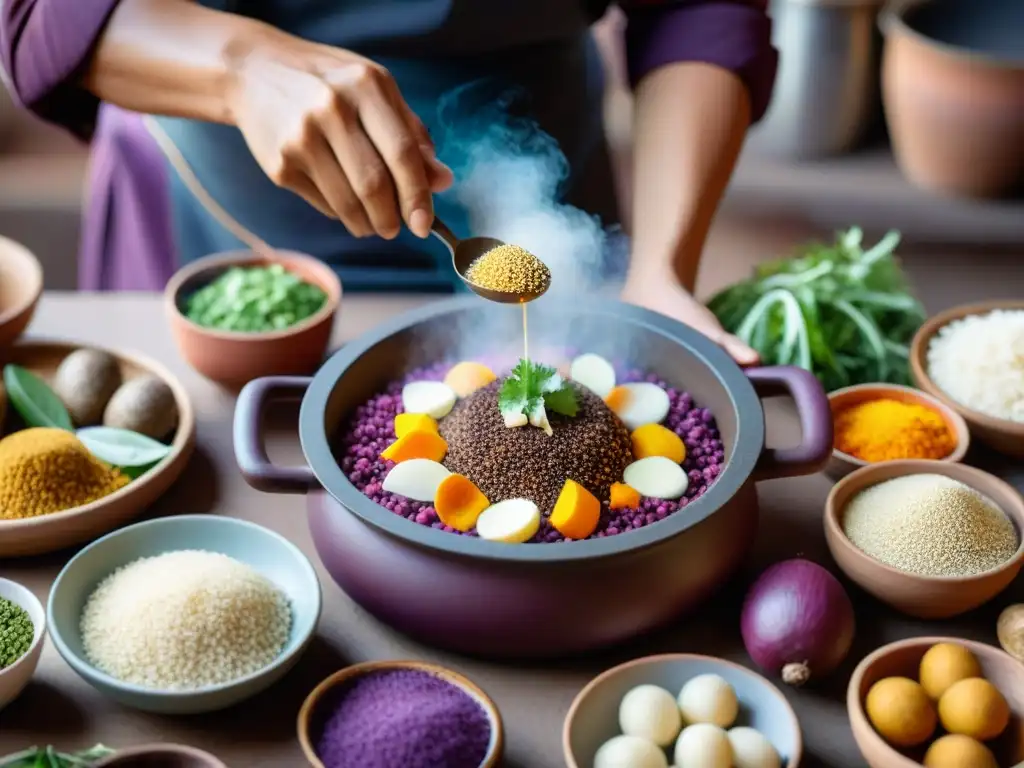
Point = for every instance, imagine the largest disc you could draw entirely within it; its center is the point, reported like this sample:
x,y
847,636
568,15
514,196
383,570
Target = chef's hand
x,y
666,296
332,126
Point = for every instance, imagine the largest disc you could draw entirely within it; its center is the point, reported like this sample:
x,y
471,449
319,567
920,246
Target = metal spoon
x,y
465,252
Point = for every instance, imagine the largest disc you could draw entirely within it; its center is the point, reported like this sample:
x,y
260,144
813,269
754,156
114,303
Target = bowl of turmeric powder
x,y
888,422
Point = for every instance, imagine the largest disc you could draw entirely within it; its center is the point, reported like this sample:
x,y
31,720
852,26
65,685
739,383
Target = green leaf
x,y
122,447
562,401
531,385
34,401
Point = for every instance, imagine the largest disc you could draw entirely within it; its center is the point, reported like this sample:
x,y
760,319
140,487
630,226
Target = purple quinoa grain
x,y
403,718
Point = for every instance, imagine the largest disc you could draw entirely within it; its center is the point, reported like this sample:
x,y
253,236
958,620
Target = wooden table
x,y
59,708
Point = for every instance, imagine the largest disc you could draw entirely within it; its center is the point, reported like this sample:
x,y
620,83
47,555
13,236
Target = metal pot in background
x,y
826,92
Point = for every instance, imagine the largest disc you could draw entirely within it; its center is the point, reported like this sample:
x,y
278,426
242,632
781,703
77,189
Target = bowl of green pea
x,y
240,315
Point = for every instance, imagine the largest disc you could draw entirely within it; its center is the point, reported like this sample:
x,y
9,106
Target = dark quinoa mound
x,y
524,463
371,429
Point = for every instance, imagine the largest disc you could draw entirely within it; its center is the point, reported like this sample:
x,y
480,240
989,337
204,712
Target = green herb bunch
x,y
532,388
844,313
49,757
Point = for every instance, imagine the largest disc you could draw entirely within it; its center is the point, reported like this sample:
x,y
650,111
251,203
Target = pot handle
x,y
815,414
251,452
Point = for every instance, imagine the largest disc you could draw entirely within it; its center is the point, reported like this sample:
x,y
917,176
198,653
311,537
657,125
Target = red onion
x,y
797,621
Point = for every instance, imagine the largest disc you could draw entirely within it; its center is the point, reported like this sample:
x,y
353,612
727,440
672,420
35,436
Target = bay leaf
x,y
122,447
33,399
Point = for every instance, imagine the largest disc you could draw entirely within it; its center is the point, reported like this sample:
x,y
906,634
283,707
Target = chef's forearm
x,y
162,56
172,57
690,121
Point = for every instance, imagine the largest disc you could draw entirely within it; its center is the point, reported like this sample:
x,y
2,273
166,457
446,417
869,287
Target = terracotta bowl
x,y
48,533
902,659
161,756
16,676
233,358
925,597
311,716
842,464
1002,435
953,90
21,285
593,717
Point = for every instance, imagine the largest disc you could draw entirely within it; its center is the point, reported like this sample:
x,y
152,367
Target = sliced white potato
x,y
593,372
512,521
434,398
656,477
639,403
416,479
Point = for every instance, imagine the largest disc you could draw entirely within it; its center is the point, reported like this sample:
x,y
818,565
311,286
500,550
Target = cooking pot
x,y
486,598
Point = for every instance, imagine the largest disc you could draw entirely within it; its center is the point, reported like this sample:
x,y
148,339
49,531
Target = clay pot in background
x,y
953,91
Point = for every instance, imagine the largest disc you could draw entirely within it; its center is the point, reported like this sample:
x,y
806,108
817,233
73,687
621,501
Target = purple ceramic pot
x,y
532,600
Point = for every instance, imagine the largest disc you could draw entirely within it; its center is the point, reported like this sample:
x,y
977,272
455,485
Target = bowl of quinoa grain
x,y
971,358
452,474
931,538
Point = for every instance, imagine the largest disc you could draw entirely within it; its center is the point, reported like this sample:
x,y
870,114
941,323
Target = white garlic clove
x,y
512,521
415,479
593,372
709,699
434,398
629,752
656,477
639,403
750,749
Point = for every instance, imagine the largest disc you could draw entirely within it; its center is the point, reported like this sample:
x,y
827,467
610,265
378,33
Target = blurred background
x,y
821,160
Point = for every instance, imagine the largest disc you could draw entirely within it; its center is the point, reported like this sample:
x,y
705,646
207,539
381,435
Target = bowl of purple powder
x,y
490,502
400,714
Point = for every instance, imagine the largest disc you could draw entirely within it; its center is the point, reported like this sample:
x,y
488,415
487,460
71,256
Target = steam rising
x,y
510,176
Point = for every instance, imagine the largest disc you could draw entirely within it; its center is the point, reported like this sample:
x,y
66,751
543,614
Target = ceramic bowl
x,y
593,717
47,533
1002,435
925,597
842,464
161,756
311,715
233,358
903,659
14,678
21,285
263,550
953,89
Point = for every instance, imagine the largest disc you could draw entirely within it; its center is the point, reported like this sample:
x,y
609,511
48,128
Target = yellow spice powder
x,y
886,430
44,470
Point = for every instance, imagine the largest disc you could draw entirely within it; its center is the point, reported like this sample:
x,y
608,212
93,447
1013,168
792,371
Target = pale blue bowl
x,y
267,552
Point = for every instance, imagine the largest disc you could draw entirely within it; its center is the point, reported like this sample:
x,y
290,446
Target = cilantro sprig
x,y
531,389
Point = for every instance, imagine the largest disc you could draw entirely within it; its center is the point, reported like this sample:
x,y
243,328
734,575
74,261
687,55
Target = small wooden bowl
x,y
842,464
21,285
903,659
48,533
924,597
161,756
593,717
1002,435
234,358
308,714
